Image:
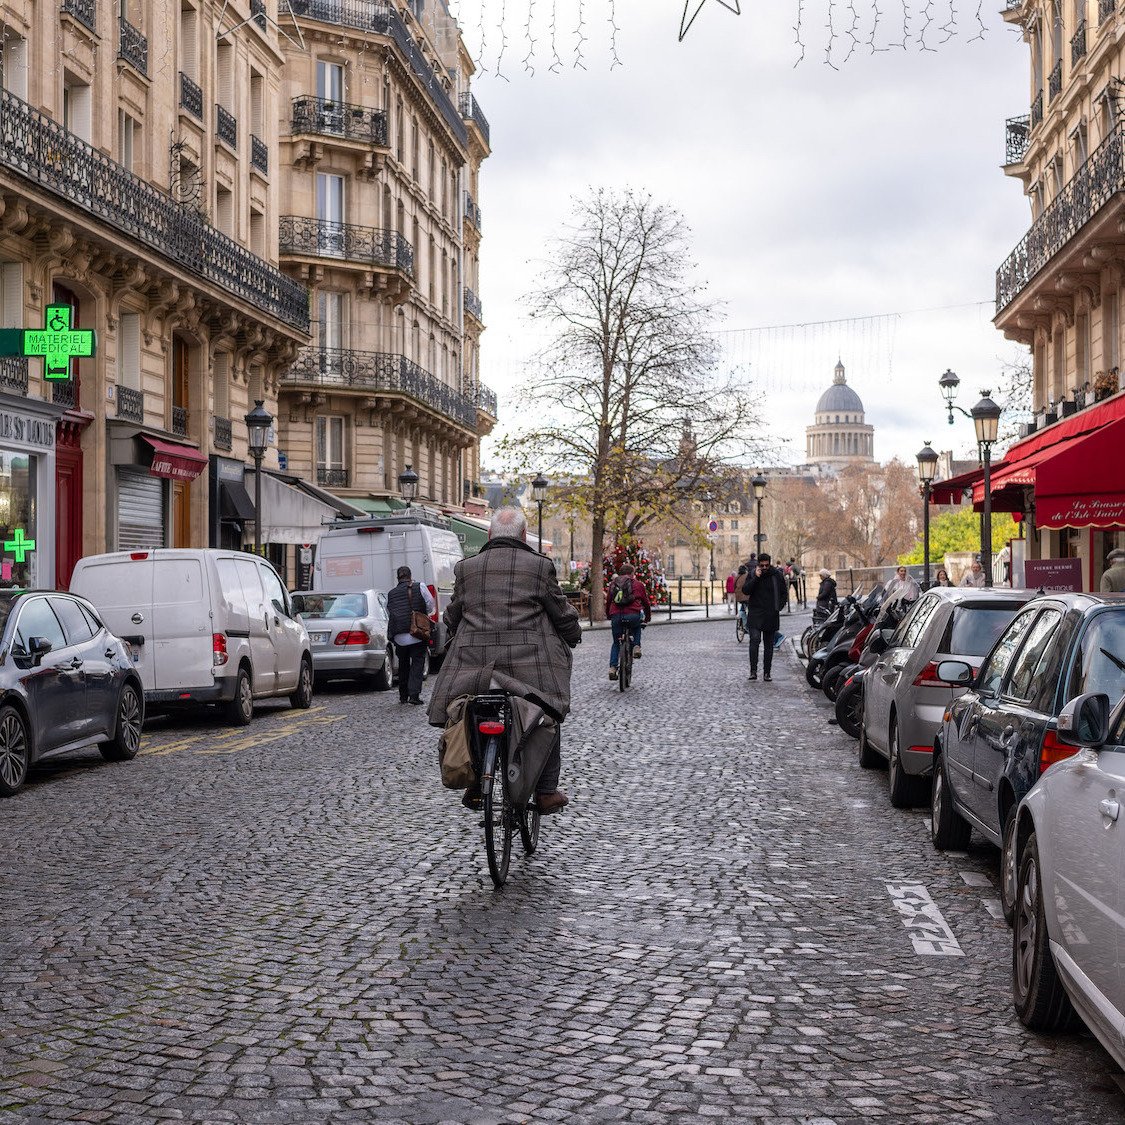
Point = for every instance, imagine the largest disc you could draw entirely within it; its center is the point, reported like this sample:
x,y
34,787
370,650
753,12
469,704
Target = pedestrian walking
x,y
901,588
826,599
765,592
405,599
974,576
1113,580
728,596
793,572
942,577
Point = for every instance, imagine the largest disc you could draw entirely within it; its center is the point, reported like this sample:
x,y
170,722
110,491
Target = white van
x,y
206,626
357,555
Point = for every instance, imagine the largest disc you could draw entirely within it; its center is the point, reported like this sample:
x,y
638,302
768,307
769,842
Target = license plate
x,y
319,638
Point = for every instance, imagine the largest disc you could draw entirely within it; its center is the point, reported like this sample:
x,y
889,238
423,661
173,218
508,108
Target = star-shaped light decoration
x,y
686,21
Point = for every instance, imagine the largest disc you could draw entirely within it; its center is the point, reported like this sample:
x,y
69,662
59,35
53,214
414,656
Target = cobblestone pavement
x,y
294,923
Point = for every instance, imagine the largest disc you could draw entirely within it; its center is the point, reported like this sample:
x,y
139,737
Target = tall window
x,y
329,81
11,293
189,42
76,107
257,104
224,210
221,384
1082,348
128,140
129,351
399,130
329,198
259,235
181,371
1111,314
330,310
329,442
224,74
13,62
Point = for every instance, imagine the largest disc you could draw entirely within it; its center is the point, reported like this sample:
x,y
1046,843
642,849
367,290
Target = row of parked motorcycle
x,y
1004,710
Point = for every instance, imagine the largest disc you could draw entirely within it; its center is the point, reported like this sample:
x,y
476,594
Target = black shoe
x,y
768,678
403,699
416,700
753,675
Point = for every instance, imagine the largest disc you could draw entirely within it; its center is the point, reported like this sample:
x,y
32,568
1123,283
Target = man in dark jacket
x,y
765,595
406,598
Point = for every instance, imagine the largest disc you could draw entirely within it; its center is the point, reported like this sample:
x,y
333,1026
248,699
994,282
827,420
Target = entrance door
x,y
181,514
68,513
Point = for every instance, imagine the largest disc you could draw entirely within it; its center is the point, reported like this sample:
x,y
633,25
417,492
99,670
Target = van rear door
x,y
181,615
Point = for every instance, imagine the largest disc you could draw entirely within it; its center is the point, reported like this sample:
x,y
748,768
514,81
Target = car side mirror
x,y
1084,721
38,647
279,607
955,672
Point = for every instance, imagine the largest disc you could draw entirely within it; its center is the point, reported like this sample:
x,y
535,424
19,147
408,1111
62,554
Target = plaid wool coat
x,y
512,626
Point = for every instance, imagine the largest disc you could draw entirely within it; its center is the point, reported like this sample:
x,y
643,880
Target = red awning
x,y
1083,483
943,492
170,459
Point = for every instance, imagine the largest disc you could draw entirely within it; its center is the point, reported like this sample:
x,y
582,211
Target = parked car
x,y
348,634
206,626
904,701
66,682
358,555
1002,733
1069,929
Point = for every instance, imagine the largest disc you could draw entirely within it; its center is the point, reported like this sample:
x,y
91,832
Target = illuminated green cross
x,y
56,342
19,546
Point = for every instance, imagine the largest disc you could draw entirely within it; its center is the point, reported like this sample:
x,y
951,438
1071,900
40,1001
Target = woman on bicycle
x,y
626,606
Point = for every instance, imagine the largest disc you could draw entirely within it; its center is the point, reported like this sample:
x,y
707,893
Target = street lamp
x,y
986,420
539,494
949,383
758,484
258,423
927,460
408,484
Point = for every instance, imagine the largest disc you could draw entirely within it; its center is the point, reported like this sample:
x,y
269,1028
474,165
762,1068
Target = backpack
x,y
623,591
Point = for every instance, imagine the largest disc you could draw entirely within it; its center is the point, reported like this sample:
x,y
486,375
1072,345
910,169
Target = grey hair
x,y
509,522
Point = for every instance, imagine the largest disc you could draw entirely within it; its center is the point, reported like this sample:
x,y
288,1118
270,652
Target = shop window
x,y
18,568
129,351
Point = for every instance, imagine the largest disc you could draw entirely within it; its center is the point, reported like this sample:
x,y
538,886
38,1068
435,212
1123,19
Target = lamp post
x,y
258,423
758,484
927,460
408,484
986,419
539,494
949,383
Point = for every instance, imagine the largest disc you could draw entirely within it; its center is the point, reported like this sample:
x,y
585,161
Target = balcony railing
x,y
42,151
472,305
331,478
179,421
368,16
1100,178
130,404
1106,8
64,392
226,126
13,374
224,439
485,398
471,112
1054,82
191,96
472,211
1016,133
324,239
1078,43
132,46
84,11
1036,114
259,155
339,119
258,15
381,371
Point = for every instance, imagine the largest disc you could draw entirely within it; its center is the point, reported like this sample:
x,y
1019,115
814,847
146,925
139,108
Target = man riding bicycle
x,y
626,606
513,630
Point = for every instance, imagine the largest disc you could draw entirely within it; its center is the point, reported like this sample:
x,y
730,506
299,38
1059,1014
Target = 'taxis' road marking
x,y
929,931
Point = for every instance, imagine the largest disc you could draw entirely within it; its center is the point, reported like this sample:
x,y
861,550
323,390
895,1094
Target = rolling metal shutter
x,y
140,510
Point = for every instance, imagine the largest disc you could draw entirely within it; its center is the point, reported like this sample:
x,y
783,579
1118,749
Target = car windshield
x,y
1101,661
975,628
329,605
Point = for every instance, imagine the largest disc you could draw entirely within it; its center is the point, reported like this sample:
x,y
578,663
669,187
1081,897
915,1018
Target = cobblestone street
x,y
294,923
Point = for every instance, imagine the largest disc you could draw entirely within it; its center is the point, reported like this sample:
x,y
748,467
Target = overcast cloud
x,y
813,194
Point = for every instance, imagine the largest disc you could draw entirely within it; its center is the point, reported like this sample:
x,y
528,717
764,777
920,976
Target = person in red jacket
x,y
626,606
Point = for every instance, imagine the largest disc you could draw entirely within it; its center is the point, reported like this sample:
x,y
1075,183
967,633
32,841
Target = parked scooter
x,y
849,695
858,614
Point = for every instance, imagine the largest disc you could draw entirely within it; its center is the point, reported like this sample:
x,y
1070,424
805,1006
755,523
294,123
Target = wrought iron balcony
x,y
132,46
472,305
64,392
472,211
1016,133
1106,8
371,245
1054,82
13,374
1078,43
130,404
224,439
226,126
191,96
259,155
84,11
485,398
381,371
470,110
367,16
258,15
1036,114
1100,178
339,119
42,151
179,421
331,478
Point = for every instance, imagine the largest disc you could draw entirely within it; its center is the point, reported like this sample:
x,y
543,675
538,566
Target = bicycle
x,y
491,718
625,658
740,624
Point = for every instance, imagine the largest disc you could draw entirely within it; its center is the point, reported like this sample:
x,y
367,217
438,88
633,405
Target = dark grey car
x,y
66,683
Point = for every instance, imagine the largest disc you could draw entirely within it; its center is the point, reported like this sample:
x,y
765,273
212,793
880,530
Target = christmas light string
x,y
950,25
529,58
852,30
579,63
797,33
616,59
556,61
831,39
905,24
503,42
927,22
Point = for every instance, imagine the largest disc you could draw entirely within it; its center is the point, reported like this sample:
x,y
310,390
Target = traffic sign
x,y
713,526
56,341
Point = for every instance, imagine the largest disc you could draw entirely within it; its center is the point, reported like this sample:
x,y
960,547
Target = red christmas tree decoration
x,y
633,551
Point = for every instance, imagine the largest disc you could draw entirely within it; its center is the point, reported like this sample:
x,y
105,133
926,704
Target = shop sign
x,y
177,468
26,430
57,342
1053,575
1081,511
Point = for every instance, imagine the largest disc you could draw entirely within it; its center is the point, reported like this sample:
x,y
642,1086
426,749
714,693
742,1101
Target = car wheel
x,y
1009,875
1040,1000
849,708
383,679
868,758
126,740
903,786
240,710
948,829
302,697
15,751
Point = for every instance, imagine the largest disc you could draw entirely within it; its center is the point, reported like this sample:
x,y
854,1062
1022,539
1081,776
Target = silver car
x,y
1069,927
903,699
348,634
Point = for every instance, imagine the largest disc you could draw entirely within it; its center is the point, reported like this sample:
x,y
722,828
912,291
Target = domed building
x,y
839,436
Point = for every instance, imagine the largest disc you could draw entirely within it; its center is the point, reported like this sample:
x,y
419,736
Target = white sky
x,y
813,194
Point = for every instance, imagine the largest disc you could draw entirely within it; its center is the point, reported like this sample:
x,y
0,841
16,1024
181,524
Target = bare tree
x,y
1016,394
623,400
872,513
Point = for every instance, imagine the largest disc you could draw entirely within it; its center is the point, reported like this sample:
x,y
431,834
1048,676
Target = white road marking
x,y
975,878
994,907
929,932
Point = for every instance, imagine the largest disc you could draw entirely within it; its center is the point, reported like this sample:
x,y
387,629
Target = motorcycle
x,y
849,694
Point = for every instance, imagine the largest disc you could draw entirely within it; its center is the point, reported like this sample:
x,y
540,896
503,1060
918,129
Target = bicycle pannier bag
x,y
419,623
530,744
454,753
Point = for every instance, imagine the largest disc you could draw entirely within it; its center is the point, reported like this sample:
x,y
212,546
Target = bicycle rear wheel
x,y
498,814
529,830
739,630
625,664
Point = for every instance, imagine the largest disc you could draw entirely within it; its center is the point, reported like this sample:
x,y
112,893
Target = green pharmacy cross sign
x,y
56,342
19,546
